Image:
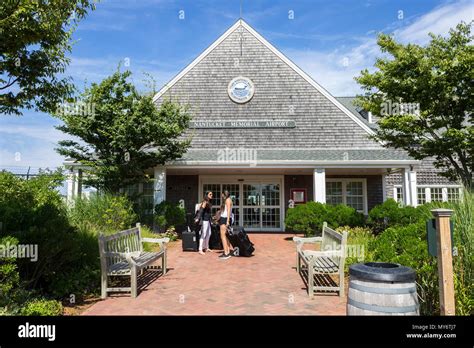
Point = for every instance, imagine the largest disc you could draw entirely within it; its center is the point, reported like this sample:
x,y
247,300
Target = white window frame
x,y
395,193
344,191
425,192
444,190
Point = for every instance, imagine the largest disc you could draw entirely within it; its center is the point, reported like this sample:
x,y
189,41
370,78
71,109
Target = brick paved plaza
x,y
264,284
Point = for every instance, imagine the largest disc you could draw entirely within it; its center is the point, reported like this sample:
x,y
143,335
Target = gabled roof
x,y
292,65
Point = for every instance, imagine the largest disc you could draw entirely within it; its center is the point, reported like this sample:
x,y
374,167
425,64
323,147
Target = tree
x,y
122,132
423,97
35,39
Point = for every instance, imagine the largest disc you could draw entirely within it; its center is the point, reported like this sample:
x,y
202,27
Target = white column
x,y
159,194
319,185
71,186
409,187
413,188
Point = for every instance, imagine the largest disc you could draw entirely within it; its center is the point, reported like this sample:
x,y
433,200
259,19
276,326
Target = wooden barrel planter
x,y
378,288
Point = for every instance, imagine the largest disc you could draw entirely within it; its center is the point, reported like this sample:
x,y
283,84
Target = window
x,y
453,194
355,195
432,194
347,191
334,192
436,194
399,194
421,195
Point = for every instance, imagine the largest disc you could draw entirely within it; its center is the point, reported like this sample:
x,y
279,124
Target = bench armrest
x,y
161,241
300,241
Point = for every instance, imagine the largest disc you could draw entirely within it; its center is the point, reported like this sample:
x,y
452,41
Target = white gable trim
x,y
280,55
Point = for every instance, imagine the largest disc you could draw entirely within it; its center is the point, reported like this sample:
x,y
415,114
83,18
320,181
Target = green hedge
x,y
308,218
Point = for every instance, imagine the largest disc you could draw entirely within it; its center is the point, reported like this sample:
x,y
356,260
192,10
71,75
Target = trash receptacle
x,y
379,288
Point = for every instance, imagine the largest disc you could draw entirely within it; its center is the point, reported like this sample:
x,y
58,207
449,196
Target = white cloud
x,y
43,133
30,145
329,68
33,156
88,70
438,21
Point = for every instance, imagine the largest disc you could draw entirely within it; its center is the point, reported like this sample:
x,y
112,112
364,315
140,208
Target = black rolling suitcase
x,y
240,241
190,238
215,242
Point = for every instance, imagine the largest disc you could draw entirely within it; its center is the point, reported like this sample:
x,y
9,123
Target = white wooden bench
x,y
121,254
321,265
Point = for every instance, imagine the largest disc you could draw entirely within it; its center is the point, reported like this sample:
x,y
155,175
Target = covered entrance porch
x,y
262,196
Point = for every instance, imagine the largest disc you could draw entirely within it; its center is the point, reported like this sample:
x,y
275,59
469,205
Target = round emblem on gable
x,y
241,89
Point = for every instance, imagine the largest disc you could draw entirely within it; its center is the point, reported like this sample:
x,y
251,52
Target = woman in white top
x,y
225,222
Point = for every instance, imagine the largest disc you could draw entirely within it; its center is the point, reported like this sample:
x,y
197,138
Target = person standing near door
x,y
225,222
205,217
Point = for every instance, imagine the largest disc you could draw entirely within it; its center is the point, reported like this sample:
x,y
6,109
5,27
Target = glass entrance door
x,y
257,205
251,211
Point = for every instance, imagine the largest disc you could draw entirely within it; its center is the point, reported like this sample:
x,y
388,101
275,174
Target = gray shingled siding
x,y
426,174
319,123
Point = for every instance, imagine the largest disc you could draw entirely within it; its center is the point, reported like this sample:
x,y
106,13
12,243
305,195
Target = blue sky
x,y
331,40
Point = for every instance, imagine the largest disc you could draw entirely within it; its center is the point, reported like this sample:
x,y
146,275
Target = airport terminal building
x,y
267,132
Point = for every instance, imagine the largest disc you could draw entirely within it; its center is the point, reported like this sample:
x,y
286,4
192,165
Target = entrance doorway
x,y
258,201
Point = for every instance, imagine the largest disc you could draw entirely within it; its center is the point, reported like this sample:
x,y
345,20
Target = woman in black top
x,y
205,217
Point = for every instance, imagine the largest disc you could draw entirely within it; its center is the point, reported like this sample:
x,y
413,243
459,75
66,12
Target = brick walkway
x,y
265,284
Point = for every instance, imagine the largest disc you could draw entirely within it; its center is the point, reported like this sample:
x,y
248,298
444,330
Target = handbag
x,y
217,217
197,217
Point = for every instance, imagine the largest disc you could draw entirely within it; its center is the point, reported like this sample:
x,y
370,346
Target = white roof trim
x,y
280,55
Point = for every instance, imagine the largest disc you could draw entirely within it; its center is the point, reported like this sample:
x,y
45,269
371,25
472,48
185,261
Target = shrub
x,y
9,276
308,218
25,203
63,252
104,213
358,241
407,246
343,215
390,213
42,307
169,215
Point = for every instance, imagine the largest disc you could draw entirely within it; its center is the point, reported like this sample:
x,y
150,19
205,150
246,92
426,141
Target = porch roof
x,y
295,156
